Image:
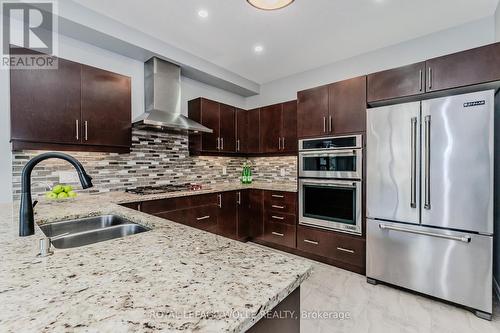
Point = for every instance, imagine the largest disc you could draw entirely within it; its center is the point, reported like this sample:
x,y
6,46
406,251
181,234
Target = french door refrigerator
x,y
430,198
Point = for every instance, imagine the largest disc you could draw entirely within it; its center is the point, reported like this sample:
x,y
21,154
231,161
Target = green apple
x,y
72,194
58,189
51,195
67,188
62,195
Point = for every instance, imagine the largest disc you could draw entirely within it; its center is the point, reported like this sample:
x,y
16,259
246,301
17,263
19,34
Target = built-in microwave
x,y
331,204
333,157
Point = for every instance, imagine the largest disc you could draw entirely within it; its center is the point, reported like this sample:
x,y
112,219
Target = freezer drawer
x,y
450,265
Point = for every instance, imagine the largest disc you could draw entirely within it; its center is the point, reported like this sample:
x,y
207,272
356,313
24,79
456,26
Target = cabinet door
x,y
228,212
253,131
348,106
210,119
245,215
241,131
227,128
465,68
312,112
255,208
289,142
45,104
270,128
398,82
106,108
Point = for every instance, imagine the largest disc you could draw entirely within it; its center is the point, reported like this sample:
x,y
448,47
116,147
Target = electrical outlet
x,y
224,170
282,172
68,177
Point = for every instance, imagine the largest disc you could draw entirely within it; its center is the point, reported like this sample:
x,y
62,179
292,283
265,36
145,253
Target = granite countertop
x,y
172,278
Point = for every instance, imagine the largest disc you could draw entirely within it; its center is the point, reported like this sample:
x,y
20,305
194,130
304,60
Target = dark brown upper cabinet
x,y
74,107
398,82
106,108
45,105
279,128
270,128
347,111
253,131
289,143
475,66
227,128
241,131
206,112
312,112
337,108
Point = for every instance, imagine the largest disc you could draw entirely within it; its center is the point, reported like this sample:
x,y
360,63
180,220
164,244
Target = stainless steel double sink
x,y
89,230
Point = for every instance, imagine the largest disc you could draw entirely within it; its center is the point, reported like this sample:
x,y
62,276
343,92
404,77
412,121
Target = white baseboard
x,y
496,287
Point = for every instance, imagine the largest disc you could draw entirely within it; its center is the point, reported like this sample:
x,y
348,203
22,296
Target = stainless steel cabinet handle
x,y
222,143
430,78
311,242
279,207
202,218
279,143
420,84
345,250
238,145
239,198
77,129
278,217
278,234
413,162
465,238
86,130
330,123
277,196
219,199
427,176
324,124
283,143
218,143
139,206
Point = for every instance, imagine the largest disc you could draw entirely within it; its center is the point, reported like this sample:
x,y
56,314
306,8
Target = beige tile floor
x,y
381,308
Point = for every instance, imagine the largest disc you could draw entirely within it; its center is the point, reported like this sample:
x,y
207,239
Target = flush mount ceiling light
x,y
270,4
202,13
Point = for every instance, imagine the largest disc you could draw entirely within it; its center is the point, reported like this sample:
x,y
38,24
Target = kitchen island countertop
x,y
171,278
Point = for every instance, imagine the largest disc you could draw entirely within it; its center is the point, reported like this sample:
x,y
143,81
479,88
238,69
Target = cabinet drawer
x,y
165,205
183,216
284,202
279,233
280,218
204,218
348,249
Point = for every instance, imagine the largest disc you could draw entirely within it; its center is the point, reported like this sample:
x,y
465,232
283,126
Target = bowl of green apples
x,y
61,192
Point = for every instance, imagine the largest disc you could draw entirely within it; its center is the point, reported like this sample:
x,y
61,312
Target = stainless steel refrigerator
x,y
430,198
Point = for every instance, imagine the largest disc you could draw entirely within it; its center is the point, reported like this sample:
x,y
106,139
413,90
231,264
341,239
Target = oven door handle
x,y
326,183
350,152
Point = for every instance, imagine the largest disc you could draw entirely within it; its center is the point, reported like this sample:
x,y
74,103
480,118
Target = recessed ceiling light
x,y
202,13
258,48
269,4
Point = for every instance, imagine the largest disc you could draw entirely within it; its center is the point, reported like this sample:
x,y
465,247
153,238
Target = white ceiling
x,y
302,36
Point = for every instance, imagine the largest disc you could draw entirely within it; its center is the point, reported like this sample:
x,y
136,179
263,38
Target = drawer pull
x,y
278,217
311,242
279,207
202,218
278,196
277,234
345,250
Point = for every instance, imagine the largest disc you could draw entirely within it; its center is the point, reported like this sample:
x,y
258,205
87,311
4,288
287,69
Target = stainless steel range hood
x,y
162,84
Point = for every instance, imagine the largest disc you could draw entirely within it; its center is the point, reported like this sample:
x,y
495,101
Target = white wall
x,y
497,23
448,41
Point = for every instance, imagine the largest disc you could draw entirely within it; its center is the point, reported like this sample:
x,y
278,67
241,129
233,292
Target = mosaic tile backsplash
x,y
156,158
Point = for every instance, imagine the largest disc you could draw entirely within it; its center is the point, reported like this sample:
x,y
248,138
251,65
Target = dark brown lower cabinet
x,y
228,214
341,249
265,217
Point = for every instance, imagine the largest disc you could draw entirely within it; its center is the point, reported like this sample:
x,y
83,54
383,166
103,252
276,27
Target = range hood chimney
x,y
162,85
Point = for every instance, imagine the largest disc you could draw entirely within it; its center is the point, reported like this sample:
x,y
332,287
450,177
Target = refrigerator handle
x,y
465,238
413,163
427,156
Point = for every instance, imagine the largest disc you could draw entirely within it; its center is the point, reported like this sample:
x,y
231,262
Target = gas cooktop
x,y
164,189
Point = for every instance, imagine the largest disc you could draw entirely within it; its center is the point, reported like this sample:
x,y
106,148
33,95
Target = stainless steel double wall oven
x,y
330,188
